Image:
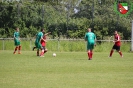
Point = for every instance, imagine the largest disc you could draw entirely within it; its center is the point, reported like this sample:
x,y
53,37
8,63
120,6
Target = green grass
x,y
66,70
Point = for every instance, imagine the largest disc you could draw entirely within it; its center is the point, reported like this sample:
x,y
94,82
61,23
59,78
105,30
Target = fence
x,y
64,45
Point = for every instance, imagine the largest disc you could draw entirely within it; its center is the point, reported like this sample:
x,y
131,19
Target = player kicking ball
x,y
90,38
117,44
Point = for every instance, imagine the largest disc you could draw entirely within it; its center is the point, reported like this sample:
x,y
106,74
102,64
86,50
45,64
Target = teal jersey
x,y
90,37
38,37
16,35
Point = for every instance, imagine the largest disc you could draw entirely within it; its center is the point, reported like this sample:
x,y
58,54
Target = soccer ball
x,y
54,54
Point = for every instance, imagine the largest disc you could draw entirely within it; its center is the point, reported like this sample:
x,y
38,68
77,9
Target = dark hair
x,y
16,28
42,29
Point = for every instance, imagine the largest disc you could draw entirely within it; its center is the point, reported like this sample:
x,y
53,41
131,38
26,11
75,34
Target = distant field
x,y
66,70
65,45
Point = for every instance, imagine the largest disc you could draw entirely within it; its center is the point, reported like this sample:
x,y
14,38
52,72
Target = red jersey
x,y
43,43
117,38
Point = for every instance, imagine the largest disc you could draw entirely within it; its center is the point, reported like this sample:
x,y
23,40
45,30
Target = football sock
x,y
111,52
19,48
42,52
89,55
15,49
37,52
34,48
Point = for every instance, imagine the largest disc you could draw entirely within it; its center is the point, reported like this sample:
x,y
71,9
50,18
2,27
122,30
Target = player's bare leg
x,y
15,50
19,49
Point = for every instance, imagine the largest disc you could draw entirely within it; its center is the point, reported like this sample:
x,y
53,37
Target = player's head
x,y
115,33
89,29
42,30
17,29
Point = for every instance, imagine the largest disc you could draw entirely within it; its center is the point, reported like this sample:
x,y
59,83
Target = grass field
x,y
66,70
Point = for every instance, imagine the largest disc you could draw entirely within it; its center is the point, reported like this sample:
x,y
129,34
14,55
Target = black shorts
x,y
116,47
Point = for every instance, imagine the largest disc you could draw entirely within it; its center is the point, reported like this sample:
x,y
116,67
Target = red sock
x,y
111,52
42,52
19,48
15,49
89,55
120,53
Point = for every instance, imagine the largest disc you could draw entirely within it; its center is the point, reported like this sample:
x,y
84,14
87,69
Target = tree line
x,y
64,18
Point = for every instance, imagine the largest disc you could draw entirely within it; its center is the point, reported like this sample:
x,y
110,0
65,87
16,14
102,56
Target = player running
x,y
90,38
17,41
38,45
117,44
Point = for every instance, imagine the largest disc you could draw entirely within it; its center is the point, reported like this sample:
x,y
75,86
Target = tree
x,y
69,18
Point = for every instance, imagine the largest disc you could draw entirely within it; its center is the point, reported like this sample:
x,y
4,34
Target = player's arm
x,y
43,39
95,40
19,38
117,40
85,37
15,36
47,33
